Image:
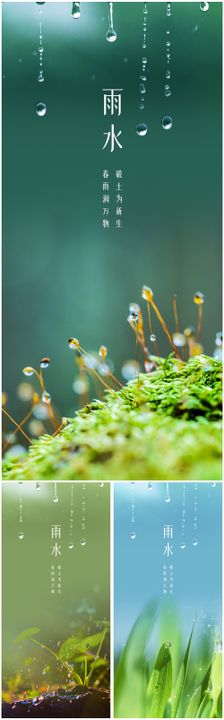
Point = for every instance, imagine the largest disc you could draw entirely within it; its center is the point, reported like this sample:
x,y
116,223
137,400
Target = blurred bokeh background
x,y
63,273
85,570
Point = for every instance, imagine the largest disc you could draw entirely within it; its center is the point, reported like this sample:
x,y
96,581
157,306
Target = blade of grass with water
x,y
181,679
160,685
129,690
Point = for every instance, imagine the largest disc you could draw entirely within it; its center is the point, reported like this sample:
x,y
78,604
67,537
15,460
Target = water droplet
x,y
142,129
147,293
179,340
167,122
55,499
144,61
219,339
213,484
101,484
83,542
40,49
168,644
41,109
21,536
45,362
46,398
71,546
37,486
133,535
152,337
204,6
149,487
167,91
195,542
168,74
41,77
76,10
142,88
28,371
183,546
199,298
111,36
73,343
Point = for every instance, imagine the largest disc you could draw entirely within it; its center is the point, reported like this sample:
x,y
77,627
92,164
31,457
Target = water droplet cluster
x,y
142,128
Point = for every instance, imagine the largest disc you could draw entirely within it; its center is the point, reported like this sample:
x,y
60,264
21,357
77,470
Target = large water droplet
x,y
75,10
204,6
46,398
167,122
111,36
142,129
41,109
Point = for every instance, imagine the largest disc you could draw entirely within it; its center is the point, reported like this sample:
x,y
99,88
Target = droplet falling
x,y
195,519
183,518
40,76
75,11
71,518
41,109
142,128
133,532
167,494
83,515
111,35
167,122
55,495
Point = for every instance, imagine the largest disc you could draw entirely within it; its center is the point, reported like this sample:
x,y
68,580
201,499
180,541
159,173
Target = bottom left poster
x,y
56,600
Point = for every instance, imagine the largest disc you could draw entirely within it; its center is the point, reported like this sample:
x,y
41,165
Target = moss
x,y
162,426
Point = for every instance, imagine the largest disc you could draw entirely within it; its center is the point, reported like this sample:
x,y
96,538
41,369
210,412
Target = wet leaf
x,y
181,679
160,684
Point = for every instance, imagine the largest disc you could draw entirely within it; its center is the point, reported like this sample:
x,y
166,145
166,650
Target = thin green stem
x,y
97,655
68,667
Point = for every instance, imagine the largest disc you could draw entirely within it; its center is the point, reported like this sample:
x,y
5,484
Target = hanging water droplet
x,y
195,542
133,535
101,484
204,6
167,122
55,499
28,371
71,546
142,129
37,486
75,10
179,340
41,109
21,536
149,486
46,398
82,542
152,337
45,362
111,36
41,77
199,298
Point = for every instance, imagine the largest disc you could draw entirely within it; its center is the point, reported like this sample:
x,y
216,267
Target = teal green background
x,y
27,600
63,274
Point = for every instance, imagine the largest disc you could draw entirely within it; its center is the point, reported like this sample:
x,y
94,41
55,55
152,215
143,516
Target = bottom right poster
x,y
168,600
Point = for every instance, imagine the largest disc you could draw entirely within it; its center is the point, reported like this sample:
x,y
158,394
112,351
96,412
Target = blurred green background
x,y
85,571
63,274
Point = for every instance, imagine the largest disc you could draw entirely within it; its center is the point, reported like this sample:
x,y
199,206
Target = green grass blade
x,y
216,680
193,705
129,690
160,685
181,679
205,708
27,634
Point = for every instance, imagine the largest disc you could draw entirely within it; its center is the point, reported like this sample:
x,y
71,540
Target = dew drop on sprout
x,y
21,536
73,343
28,371
76,10
199,298
46,398
45,362
41,109
204,6
133,535
111,36
167,122
147,293
142,129
179,340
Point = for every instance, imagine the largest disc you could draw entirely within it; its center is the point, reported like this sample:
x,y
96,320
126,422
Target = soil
x,y
81,703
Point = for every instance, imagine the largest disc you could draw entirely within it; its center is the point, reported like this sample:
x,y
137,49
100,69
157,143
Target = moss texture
x,y
162,426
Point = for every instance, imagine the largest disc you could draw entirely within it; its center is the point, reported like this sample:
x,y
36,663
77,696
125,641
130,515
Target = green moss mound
x,y
162,426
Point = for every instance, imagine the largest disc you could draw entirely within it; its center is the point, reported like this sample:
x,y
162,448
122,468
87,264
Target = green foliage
x,y
193,690
76,652
165,425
